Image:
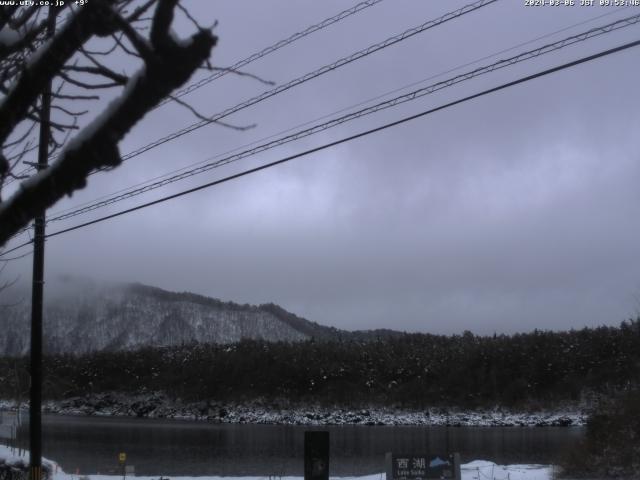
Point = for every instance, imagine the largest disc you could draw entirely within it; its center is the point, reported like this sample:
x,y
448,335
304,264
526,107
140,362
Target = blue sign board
x,y
423,466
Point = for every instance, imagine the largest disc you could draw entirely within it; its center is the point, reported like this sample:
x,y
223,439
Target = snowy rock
x,y
157,405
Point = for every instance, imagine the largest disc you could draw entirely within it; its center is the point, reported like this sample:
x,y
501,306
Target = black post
x,y
316,455
35,392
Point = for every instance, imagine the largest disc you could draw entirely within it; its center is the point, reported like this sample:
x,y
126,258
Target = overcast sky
x,y
515,211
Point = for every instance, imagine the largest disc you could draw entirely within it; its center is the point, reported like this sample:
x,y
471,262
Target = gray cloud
x,y
511,212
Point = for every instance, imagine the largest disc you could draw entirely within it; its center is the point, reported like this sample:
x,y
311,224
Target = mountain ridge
x,y
86,316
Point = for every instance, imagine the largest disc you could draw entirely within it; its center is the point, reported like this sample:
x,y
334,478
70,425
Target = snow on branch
x,y
47,62
167,64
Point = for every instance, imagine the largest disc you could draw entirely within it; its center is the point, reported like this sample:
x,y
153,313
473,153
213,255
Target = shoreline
x,y
157,406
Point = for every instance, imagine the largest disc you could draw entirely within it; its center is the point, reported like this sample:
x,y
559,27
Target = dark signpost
x,y
423,466
122,460
316,455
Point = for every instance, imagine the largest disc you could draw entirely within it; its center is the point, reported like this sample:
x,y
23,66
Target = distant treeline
x,y
413,370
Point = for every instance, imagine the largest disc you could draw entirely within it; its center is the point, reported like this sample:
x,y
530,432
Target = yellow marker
x,y
122,457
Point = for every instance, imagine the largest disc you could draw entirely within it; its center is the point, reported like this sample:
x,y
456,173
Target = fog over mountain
x,y
82,316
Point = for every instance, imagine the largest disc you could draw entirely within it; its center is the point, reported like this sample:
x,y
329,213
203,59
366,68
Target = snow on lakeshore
x,y
19,459
476,470
158,406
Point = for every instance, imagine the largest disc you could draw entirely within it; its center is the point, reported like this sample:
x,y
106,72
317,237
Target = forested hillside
x,y
90,317
416,370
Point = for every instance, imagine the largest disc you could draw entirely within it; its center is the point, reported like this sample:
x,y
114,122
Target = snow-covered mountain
x,y
85,316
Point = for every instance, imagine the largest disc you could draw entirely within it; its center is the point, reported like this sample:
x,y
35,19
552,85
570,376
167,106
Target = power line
x,y
307,77
347,139
360,113
520,57
272,48
29,242
245,61
16,257
356,136
311,75
345,109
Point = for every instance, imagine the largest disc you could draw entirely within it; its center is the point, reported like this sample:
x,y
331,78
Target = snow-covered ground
x,y
19,460
476,470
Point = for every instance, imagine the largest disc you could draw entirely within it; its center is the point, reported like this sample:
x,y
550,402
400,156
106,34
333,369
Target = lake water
x,y
91,445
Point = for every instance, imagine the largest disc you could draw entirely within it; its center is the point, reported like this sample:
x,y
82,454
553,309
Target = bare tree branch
x,y
85,23
120,43
161,25
6,12
23,41
141,10
139,43
189,17
69,112
207,119
75,97
166,67
117,78
90,86
240,73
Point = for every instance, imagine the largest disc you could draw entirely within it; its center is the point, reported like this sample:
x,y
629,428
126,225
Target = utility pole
x,y
35,391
